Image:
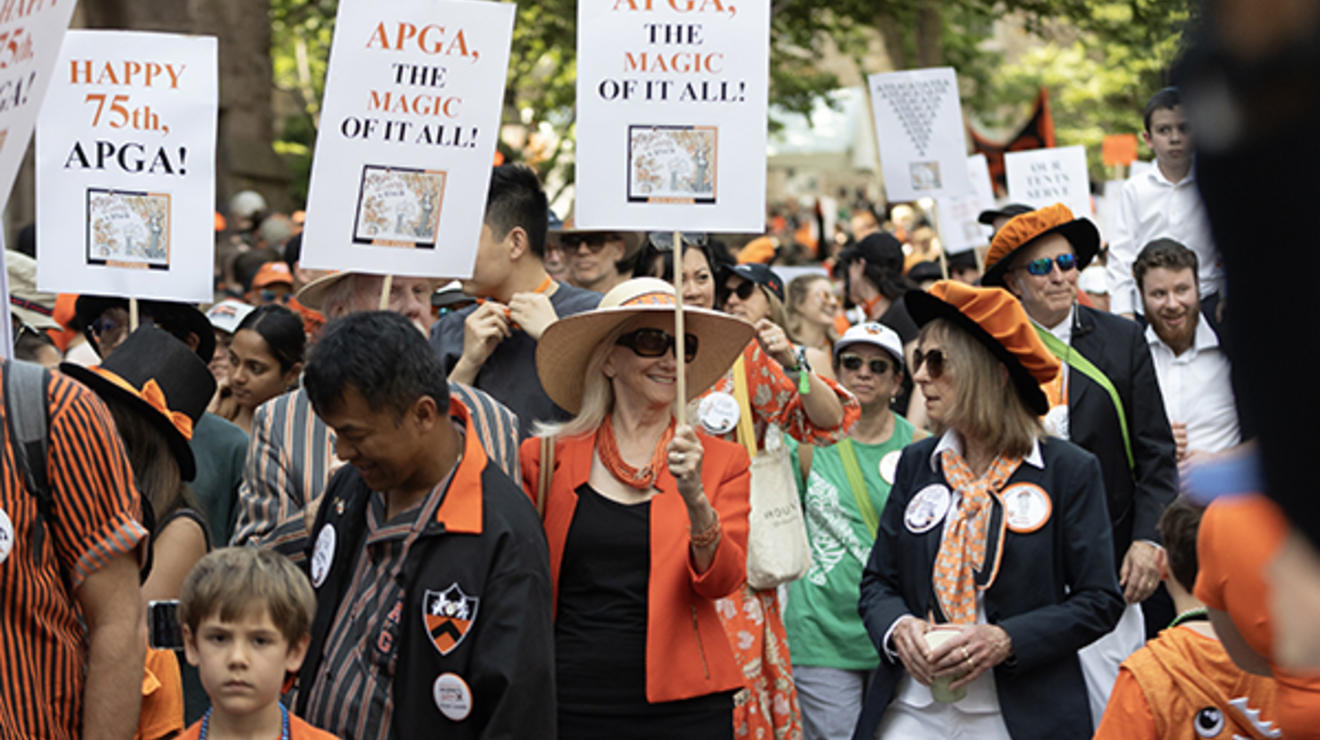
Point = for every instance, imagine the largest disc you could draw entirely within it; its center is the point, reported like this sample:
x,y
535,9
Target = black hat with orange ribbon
x,y
158,375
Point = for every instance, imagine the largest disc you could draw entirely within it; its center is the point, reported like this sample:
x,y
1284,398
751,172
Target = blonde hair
x,y
229,581
798,290
777,312
597,393
986,404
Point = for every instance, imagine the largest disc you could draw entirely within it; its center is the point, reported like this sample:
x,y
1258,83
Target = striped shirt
x,y
43,649
292,455
354,693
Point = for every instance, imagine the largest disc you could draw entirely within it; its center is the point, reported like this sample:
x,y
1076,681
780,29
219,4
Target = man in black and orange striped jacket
x,y
58,678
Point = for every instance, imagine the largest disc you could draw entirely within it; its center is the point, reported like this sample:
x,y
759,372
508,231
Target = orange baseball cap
x,y
997,320
271,273
1028,227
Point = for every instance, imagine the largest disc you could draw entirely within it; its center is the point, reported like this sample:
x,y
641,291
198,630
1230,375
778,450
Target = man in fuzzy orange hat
x,y
1108,401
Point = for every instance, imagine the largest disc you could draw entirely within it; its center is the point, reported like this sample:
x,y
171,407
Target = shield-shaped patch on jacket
x,y
448,616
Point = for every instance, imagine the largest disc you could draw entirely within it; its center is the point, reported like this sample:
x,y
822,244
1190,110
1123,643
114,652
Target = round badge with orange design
x,y
1026,507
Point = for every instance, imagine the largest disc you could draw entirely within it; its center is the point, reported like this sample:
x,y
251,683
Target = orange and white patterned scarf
x,y
963,546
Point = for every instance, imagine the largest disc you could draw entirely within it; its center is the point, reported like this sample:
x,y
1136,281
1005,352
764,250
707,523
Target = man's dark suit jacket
x,y
1136,498
1055,591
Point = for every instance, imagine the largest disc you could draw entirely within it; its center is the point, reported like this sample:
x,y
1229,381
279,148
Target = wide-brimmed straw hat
x,y
33,307
997,320
312,295
157,374
567,345
1028,227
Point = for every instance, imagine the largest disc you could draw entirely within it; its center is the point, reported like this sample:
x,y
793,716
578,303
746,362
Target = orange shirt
x,y
162,697
298,730
1182,684
1239,536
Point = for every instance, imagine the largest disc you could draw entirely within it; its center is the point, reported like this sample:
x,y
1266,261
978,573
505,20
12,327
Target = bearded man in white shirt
x,y
1163,202
1192,369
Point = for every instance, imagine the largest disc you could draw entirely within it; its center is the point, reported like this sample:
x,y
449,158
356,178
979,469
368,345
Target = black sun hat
x,y
179,319
161,378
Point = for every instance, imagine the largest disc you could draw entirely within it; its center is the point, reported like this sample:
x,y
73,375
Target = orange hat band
x,y
155,397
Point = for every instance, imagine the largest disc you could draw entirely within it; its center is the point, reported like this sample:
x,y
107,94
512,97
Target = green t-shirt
x,y
822,622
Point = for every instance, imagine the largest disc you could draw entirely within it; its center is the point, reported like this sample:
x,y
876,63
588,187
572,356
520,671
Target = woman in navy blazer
x,y
994,538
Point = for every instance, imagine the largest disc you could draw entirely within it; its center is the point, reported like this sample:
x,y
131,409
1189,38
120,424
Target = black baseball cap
x,y
880,249
759,274
1008,211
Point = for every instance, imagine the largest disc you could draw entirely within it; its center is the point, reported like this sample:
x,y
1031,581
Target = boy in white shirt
x,y
1163,202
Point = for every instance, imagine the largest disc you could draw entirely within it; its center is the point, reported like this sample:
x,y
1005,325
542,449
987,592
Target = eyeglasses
x,y
1045,265
934,360
853,363
656,342
743,289
270,296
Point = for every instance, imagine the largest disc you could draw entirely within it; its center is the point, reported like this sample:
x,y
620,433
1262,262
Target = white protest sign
x,y
919,128
671,114
1040,177
126,167
6,317
411,114
30,34
978,173
959,229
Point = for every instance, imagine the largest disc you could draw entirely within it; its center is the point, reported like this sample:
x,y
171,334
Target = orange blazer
x,y
687,652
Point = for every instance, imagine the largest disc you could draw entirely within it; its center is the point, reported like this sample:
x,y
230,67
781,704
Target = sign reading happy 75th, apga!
x,y
411,114
126,167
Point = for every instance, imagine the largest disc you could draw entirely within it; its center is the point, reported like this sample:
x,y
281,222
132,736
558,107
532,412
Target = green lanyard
x,y
853,470
1082,365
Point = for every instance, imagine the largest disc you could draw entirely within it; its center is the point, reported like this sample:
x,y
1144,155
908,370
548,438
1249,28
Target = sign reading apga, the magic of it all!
x,y
411,114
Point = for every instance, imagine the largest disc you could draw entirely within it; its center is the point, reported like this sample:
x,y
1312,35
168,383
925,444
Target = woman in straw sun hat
x,y
646,521
991,567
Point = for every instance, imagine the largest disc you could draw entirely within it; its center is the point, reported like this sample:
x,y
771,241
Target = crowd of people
x,y
534,503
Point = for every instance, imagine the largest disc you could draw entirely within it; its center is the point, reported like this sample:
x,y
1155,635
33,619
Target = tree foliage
x,y
1099,59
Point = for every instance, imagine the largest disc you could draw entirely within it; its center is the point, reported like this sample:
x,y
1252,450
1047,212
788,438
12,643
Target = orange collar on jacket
x,y
460,511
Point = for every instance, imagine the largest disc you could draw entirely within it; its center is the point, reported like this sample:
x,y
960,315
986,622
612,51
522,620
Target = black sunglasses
x,y
594,241
934,360
878,365
656,342
743,290
1044,265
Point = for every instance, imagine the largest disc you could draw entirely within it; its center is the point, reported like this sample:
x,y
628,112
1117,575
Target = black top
x,y
600,630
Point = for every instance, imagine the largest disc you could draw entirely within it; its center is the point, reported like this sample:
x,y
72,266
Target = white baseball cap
x,y
227,315
872,333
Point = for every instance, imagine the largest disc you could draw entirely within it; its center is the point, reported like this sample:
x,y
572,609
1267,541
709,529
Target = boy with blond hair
x,y
246,615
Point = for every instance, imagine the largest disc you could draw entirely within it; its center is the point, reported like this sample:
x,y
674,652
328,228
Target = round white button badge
x,y
1026,507
452,696
323,554
889,465
927,508
719,413
6,536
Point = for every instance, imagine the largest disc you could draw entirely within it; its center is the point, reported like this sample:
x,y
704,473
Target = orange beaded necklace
x,y
607,448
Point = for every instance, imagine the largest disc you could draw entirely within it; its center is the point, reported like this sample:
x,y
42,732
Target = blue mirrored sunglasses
x,y
1044,265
